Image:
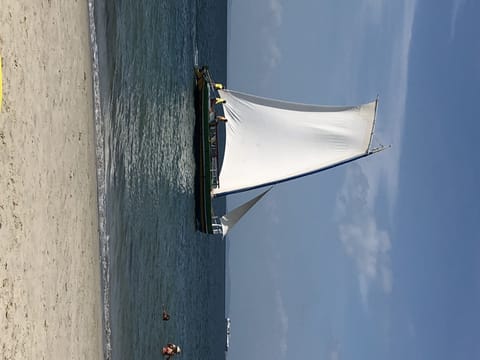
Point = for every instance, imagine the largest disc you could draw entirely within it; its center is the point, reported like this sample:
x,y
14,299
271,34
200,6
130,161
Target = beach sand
x,y
50,298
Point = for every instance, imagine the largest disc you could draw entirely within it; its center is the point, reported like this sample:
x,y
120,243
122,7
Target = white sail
x,y
268,141
232,217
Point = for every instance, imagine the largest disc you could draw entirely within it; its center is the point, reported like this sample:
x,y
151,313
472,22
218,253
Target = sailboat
x,y
267,142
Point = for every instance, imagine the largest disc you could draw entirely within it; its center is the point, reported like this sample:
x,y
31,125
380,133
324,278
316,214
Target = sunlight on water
x,y
151,252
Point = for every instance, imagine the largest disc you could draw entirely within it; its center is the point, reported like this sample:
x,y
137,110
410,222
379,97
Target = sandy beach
x,y
50,299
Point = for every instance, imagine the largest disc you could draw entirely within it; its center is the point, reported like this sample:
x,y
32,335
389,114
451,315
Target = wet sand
x,y
50,299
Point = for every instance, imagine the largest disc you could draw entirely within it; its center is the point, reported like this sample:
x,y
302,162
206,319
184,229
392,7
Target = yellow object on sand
x,y
1,80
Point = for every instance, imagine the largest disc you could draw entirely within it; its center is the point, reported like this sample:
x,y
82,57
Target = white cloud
x,y
283,318
334,355
276,10
334,351
363,240
393,98
396,104
280,322
457,7
390,125
269,32
272,55
370,247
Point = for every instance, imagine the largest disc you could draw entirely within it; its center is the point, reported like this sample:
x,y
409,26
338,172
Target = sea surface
x,y
144,52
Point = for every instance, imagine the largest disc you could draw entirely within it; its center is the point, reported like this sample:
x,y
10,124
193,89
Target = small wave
x,y
195,58
101,184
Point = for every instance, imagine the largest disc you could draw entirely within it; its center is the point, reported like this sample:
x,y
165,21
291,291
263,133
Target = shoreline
x,y
50,273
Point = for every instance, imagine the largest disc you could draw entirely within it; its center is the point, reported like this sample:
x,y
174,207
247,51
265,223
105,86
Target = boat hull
x,y
203,177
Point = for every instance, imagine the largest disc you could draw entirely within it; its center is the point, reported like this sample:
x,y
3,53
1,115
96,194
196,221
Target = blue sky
x,y
378,259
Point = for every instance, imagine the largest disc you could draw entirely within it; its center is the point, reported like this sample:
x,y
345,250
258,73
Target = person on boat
x,y
217,119
218,86
170,350
217,100
165,314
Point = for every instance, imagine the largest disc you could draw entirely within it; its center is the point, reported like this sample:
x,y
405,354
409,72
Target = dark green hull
x,y
203,155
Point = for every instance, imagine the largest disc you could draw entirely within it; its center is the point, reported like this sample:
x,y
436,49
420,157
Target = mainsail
x,y
269,141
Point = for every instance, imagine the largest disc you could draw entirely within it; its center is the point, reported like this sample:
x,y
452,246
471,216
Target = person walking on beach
x,y
171,350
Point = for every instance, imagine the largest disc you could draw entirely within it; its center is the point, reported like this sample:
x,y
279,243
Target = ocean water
x,y
144,52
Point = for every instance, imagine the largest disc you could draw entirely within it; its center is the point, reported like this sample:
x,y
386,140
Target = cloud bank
x,y
362,237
